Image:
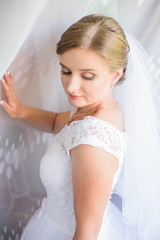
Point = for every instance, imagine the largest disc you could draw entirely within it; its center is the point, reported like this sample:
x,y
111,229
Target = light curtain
x,y
29,31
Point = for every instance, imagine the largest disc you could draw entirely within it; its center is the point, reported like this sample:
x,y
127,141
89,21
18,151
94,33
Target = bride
x,y
99,146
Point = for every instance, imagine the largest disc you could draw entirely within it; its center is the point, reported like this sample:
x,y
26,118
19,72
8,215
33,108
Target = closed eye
x,y
88,78
69,73
65,73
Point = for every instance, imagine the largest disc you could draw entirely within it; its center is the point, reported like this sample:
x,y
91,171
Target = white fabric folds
x,y
17,20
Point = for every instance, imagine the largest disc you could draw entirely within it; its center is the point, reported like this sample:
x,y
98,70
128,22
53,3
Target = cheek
x,y
92,91
104,85
97,88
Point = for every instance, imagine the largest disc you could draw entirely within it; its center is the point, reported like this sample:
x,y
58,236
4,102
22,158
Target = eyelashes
x,y
69,73
65,73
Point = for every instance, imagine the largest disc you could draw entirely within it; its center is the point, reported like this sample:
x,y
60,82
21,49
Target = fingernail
x,y
2,80
8,72
1,103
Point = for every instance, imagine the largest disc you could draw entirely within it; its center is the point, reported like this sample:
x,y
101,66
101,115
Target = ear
x,y
116,76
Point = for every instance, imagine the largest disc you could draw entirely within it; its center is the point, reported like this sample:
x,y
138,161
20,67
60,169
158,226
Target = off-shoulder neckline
x,y
101,120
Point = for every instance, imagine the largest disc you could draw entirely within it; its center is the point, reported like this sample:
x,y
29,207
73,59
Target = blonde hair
x,y
102,35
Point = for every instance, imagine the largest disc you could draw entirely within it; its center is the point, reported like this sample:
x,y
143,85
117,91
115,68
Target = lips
x,y
74,96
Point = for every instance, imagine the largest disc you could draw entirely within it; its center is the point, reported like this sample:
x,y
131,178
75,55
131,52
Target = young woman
x,y
84,160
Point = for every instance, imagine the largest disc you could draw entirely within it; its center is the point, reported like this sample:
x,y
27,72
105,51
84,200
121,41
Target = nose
x,y
73,85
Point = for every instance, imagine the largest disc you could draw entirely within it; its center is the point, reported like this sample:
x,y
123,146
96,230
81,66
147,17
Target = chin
x,y
76,104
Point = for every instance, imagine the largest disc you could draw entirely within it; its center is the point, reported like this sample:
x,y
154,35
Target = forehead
x,y
82,58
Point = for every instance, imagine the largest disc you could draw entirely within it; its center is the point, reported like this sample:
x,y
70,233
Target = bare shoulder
x,y
61,119
114,115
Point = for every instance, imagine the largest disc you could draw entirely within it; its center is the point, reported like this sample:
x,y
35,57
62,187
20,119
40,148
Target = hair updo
x,y
100,34
104,36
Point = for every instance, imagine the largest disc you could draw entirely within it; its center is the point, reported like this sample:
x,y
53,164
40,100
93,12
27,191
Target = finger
x,y
6,107
8,79
11,80
4,84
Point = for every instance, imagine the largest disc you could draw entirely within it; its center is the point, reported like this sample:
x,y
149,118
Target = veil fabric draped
x,y
140,178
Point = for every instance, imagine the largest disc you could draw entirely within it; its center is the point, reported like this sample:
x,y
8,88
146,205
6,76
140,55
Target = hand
x,y
12,106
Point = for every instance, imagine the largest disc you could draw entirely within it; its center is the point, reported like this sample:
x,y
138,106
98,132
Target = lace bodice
x,y
56,166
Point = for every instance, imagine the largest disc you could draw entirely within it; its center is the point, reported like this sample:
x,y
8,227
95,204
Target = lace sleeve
x,y
95,132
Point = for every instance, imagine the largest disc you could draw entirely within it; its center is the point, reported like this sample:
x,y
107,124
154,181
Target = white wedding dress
x,y
55,219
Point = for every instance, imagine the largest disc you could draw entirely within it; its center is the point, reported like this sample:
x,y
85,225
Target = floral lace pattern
x,y
56,166
95,132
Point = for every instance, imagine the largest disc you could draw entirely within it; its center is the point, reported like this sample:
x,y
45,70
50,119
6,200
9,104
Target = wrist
x,y
22,112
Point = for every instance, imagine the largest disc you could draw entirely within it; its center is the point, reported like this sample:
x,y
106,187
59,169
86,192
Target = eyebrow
x,y
88,69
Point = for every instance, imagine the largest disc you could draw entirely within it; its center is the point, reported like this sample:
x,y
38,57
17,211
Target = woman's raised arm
x,y
41,119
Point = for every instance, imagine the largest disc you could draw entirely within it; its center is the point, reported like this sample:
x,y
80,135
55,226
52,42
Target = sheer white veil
x,y
140,176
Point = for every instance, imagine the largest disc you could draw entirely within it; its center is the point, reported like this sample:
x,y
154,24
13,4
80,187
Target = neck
x,y
99,104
